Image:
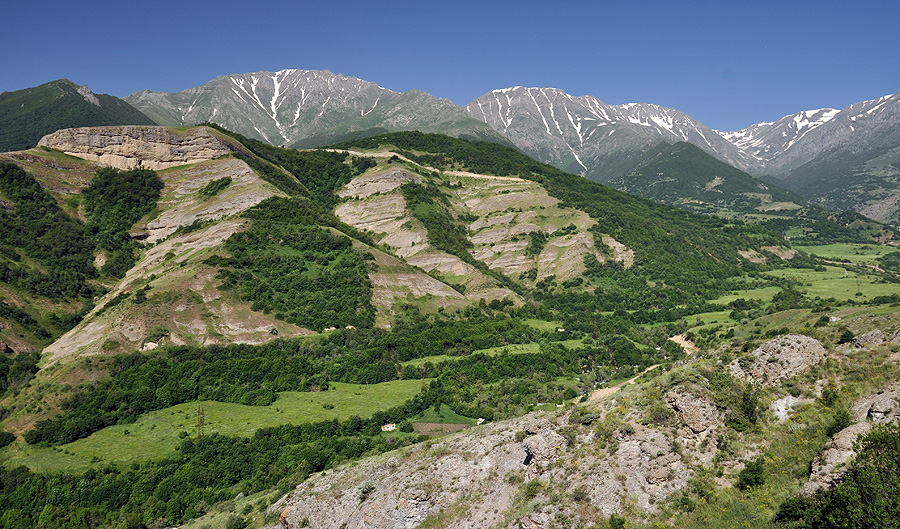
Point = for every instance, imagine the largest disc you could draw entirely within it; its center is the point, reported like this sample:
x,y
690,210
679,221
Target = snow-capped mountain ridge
x,y
576,132
779,147
292,105
580,134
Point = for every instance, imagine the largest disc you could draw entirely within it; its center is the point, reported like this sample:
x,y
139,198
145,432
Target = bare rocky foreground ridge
x,y
507,473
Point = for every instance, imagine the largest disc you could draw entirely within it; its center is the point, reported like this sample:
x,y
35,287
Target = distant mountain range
x,y
841,159
586,136
307,107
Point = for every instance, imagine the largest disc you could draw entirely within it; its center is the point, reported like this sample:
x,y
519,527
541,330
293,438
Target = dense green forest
x,y
41,231
254,374
115,201
288,265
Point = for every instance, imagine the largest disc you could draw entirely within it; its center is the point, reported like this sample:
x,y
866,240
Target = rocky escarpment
x,y
582,464
129,147
830,465
779,359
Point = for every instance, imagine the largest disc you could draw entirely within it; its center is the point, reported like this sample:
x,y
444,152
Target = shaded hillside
x,y
683,175
26,115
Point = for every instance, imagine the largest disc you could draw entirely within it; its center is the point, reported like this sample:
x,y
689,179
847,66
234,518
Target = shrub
x,y
840,421
846,336
752,475
6,438
365,490
532,489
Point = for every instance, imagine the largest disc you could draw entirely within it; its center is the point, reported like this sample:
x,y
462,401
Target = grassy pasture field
x,y
839,283
532,347
156,434
857,253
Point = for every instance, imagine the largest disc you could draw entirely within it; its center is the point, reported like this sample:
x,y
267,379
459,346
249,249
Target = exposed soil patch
x,y
435,428
605,392
688,346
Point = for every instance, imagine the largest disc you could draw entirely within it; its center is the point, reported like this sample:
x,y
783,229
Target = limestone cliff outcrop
x,y
128,147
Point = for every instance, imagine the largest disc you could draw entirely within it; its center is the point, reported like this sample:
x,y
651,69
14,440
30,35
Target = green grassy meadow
x,y
532,347
857,253
157,434
839,283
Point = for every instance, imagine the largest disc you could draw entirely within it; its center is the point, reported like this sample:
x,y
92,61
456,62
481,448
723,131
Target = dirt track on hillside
x,y
605,392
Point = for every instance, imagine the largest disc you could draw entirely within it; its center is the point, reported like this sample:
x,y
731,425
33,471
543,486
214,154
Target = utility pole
x,y
201,416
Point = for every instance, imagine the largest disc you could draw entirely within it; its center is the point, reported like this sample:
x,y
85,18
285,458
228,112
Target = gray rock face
x,y
696,413
127,147
881,408
875,337
476,478
780,359
88,96
284,107
830,465
383,182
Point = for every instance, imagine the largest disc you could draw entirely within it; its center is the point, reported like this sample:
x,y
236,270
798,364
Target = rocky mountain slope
x,y
841,159
308,106
171,269
502,215
26,115
819,153
255,281
779,148
584,135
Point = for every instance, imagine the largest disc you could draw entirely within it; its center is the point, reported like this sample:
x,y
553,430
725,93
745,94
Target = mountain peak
x,y
306,107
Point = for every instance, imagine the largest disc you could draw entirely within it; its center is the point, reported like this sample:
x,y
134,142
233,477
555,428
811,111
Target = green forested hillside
x,y
27,115
683,175
673,247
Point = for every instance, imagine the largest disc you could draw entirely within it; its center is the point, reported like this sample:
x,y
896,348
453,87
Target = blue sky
x,y
728,64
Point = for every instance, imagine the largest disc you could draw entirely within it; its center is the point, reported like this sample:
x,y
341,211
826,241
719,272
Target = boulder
x,y
698,414
875,337
881,408
780,359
